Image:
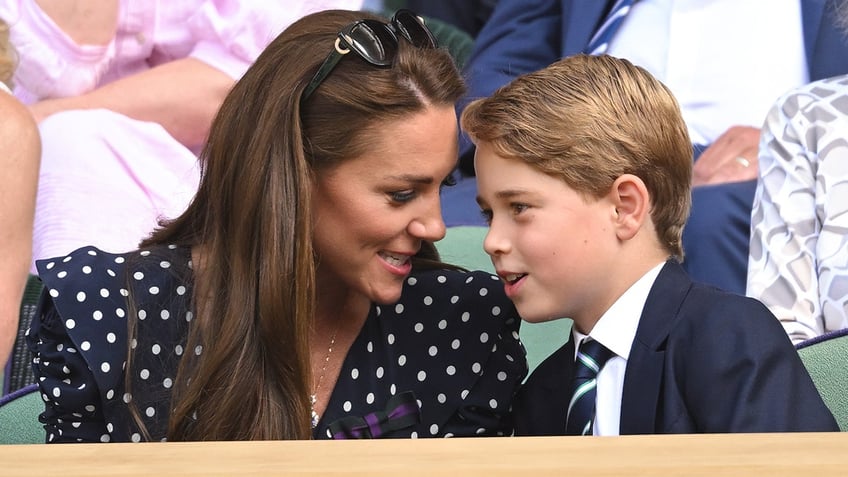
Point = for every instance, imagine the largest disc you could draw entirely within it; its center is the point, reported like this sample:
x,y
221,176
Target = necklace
x,y
313,398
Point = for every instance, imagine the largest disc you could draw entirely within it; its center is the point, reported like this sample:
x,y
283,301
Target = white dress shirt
x,y
726,61
616,330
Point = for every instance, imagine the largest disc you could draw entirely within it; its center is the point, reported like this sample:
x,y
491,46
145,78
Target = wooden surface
x,y
814,455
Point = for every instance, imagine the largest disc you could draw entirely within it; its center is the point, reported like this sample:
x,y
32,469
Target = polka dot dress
x,y
443,361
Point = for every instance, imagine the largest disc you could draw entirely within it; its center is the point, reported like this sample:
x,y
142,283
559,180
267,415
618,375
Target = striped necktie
x,y
600,42
591,357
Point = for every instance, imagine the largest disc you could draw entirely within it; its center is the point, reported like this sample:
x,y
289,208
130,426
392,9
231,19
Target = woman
x,y
20,146
299,287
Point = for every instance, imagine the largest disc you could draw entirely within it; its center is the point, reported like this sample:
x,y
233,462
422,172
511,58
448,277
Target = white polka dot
x,y
392,389
138,275
136,437
67,259
119,259
60,347
165,264
481,430
496,311
144,253
150,412
451,370
401,360
167,382
109,395
463,394
124,292
414,435
85,346
81,297
454,299
434,429
484,337
62,274
54,292
379,372
156,349
443,324
469,279
65,370
369,398
189,316
69,324
441,279
465,317
181,290
419,327
370,347
390,338
354,373
119,312
433,351
198,349
476,368
142,314
111,337
50,265
57,392
172,246
422,375
144,374
165,314
455,344
90,408
412,280
399,308
110,272
127,397
105,367
484,291
493,403
104,293
502,376
442,398
178,350
104,438
97,315
428,300
153,290
86,269
134,343
347,406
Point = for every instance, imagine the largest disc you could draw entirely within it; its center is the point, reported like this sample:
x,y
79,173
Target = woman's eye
x,y
402,196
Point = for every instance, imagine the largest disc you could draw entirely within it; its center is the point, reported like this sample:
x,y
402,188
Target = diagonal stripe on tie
x,y
599,43
591,357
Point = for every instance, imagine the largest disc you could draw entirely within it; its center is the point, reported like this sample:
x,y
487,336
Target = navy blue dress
x,y
445,360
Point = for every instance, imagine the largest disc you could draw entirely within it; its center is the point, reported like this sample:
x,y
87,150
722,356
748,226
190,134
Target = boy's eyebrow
x,y
504,195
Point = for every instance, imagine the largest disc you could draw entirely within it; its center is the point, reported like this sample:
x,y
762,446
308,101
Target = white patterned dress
x,y
798,264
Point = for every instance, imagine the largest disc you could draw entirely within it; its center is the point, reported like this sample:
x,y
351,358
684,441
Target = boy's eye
x,y
518,207
449,181
487,215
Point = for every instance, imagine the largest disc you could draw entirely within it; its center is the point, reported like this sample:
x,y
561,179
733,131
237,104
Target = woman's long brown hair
x,y
251,224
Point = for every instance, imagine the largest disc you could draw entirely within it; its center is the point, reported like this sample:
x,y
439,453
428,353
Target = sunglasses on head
x,y
375,42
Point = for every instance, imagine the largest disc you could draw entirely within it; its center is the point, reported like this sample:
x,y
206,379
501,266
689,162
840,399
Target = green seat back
x,y
826,359
19,417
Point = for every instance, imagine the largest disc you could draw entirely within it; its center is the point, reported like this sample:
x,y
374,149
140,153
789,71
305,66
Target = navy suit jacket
x,y
523,36
703,360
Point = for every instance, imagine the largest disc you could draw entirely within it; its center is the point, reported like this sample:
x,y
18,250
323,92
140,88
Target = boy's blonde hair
x,y
588,120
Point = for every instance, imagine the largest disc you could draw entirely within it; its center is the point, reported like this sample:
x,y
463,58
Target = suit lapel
x,y
646,364
556,387
580,20
811,18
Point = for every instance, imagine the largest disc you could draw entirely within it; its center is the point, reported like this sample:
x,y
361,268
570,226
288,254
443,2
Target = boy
x,y
584,172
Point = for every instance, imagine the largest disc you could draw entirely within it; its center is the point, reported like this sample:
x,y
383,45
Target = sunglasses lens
x,y
411,27
373,41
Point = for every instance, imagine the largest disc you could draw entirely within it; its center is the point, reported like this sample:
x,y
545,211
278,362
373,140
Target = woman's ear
x,y
632,205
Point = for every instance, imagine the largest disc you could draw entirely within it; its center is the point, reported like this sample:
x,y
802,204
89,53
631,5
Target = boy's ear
x,y
632,205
